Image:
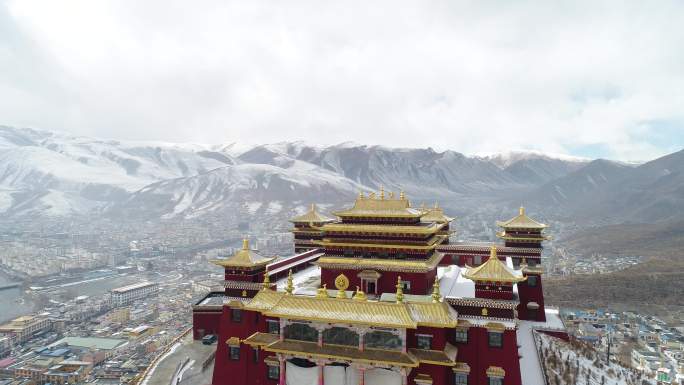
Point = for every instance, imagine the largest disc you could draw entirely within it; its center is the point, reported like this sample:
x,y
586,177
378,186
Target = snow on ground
x,y
577,363
453,284
307,278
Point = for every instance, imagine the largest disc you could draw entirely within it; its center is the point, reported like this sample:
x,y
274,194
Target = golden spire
x,y
245,244
436,205
492,252
400,291
290,285
313,207
360,295
322,292
523,262
341,293
267,280
402,196
391,195
522,210
382,192
436,296
361,196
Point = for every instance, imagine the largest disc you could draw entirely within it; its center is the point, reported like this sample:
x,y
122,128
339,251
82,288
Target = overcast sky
x,y
588,78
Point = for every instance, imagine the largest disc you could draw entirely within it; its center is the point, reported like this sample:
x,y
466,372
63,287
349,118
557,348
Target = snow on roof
x,y
453,284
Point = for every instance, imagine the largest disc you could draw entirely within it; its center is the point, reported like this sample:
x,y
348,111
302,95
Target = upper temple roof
x,y
435,214
381,206
312,216
522,221
493,270
244,257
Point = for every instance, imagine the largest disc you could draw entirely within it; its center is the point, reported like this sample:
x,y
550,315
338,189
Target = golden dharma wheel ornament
x,y
341,282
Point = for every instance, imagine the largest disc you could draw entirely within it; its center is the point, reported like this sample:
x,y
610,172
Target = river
x,y
14,303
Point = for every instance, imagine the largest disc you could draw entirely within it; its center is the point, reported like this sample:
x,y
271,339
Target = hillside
x,y
655,286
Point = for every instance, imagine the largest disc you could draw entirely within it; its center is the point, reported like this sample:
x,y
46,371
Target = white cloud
x,y
472,76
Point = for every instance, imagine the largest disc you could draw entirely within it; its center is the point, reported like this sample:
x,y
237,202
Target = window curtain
x,y
295,375
382,377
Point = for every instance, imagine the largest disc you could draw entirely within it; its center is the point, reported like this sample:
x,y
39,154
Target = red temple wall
x,y
479,356
421,283
531,294
233,372
441,375
205,323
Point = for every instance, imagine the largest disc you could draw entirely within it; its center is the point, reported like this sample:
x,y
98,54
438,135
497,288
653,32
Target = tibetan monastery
x,y
390,301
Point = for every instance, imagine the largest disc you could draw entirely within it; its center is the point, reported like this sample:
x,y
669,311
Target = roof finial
x,y
436,297
391,195
382,192
322,291
402,195
267,280
361,196
313,207
289,289
492,252
245,244
400,290
360,295
436,205
522,210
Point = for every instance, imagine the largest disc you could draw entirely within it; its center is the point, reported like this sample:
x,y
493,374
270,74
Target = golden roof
x,y
493,270
406,315
436,214
312,216
432,243
381,207
401,265
244,257
345,353
505,236
433,314
522,221
399,229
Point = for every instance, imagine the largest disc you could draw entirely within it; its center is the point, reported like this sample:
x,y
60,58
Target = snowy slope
x,y
576,363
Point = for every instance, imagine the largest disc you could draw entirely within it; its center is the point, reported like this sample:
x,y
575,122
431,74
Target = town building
x,y
397,304
23,328
122,296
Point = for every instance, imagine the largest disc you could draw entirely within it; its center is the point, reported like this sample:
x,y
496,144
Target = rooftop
x,y
493,270
312,216
373,206
244,257
134,286
91,342
522,221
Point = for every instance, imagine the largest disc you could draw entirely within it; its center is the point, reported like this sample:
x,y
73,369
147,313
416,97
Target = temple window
x,y
273,372
495,381
234,353
382,340
301,332
495,339
340,336
461,379
532,280
236,315
424,341
273,326
461,336
406,286
256,355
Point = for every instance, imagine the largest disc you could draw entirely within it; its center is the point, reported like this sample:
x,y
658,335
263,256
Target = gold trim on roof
x,y
522,221
399,265
244,257
398,229
347,353
423,379
436,214
407,315
505,236
233,341
493,270
312,216
434,242
261,339
381,207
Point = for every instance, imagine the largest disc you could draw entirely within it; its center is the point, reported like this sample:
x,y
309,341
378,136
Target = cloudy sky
x,y
587,78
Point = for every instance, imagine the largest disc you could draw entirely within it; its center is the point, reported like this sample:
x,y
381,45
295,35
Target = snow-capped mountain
x,y
56,174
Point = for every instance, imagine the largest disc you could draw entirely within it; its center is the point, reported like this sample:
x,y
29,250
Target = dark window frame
x,y
461,378
271,322
234,353
273,372
459,333
495,339
236,315
421,338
